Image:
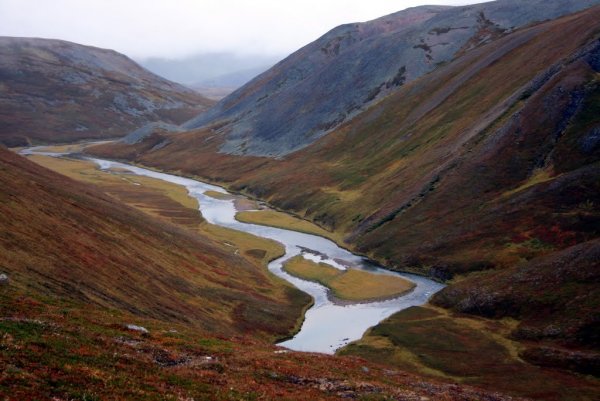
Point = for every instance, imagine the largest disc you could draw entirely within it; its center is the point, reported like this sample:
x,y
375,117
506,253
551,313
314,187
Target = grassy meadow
x,y
277,219
351,284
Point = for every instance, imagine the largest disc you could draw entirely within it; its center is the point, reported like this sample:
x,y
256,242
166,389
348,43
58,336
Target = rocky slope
x,y
336,77
56,91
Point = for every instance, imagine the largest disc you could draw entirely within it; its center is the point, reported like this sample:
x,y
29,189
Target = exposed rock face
x,y
332,79
56,91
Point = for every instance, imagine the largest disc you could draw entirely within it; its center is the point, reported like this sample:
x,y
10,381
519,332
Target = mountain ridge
x,y
84,92
334,78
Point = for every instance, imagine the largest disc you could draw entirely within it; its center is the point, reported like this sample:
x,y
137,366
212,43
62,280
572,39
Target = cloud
x,y
179,28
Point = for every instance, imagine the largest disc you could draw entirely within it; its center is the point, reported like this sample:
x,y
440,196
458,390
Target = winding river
x,y
328,326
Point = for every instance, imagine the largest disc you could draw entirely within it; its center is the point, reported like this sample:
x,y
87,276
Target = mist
x,y
179,29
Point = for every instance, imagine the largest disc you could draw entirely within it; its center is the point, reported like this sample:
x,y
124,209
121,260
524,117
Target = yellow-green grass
x,y
87,171
537,177
434,342
350,284
219,195
273,218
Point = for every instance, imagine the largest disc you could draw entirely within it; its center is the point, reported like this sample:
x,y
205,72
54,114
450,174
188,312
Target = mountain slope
x,y
450,162
336,77
56,91
481,167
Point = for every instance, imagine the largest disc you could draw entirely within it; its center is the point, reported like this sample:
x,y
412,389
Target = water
x,y
327,326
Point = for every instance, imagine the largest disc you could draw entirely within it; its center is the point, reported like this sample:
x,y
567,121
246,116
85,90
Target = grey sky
x,y
179,28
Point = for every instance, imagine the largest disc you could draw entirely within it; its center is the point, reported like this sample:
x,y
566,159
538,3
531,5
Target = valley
x,y
406,208
473,335
474,174
141,188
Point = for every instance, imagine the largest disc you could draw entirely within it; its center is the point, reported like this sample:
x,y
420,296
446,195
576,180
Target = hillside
x,y
450,169
474,173
103,301
83,93
339,75
82,245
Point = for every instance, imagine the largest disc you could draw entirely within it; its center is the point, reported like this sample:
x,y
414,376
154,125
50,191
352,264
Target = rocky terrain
x,y
54,91
329,81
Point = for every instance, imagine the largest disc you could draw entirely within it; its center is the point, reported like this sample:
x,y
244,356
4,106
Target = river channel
x,y
328,325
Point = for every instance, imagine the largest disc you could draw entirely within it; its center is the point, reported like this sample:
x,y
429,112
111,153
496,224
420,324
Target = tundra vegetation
x,y
349,284
483,174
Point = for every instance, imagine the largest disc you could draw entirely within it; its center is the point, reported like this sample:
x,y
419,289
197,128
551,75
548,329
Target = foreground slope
x,y
63,350
337,76
57,91
81,267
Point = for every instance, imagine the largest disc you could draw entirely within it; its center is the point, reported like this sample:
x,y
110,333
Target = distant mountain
x,y
339,75
204,68
233,80
215,93
56,91
222,85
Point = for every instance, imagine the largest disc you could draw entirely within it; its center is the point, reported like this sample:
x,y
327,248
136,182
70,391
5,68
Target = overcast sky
x,y
180,28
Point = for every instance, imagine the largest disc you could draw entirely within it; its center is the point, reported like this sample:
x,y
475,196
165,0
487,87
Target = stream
x,y
328,325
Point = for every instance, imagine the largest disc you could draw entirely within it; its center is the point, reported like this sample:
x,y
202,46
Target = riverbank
x,y
344,323
172,204
349,285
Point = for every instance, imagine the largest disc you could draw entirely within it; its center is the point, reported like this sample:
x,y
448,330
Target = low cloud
x,y
180,28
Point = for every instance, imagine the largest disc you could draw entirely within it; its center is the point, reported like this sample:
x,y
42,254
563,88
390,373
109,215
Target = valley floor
x,y
55,347
430,341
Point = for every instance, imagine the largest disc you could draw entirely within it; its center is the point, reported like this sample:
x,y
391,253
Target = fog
x,y
176,29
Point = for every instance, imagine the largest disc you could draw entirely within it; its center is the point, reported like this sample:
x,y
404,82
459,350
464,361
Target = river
x,y
328,325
